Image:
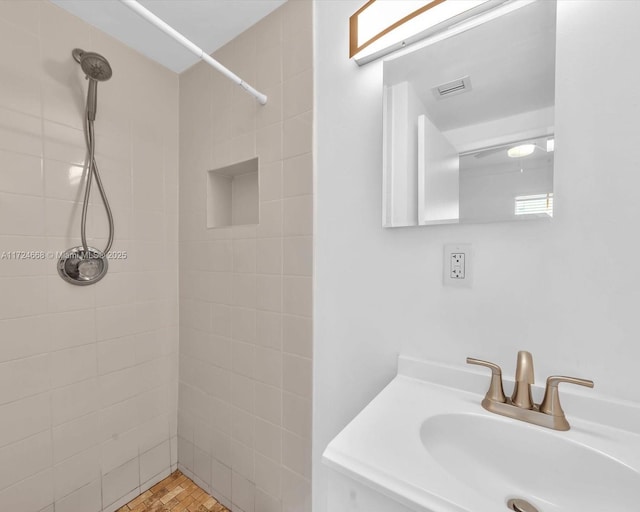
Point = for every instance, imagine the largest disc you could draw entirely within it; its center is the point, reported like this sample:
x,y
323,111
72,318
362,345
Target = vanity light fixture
x,y
521,150
380,27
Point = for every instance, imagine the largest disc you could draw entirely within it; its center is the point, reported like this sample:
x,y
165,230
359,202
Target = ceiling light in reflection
x,y
521,150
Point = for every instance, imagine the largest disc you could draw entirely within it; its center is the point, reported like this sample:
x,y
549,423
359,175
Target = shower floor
x,y
176,493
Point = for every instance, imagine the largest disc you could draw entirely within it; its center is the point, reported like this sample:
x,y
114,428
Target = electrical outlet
x,y
457,265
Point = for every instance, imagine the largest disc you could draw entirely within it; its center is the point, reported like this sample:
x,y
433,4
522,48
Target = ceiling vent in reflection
x,y
452,88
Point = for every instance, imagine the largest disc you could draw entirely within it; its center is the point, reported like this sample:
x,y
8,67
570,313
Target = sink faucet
x,y
521,405
521,396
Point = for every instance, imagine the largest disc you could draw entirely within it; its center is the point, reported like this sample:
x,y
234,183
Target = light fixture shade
x,y
383,26
521,150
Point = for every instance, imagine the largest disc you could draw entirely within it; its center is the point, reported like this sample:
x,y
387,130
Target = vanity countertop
x,y
423,440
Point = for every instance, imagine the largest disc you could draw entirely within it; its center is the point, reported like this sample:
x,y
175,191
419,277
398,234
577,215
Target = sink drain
x,y
519,505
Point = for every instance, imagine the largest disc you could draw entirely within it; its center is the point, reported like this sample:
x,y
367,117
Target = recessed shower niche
x,y
233,195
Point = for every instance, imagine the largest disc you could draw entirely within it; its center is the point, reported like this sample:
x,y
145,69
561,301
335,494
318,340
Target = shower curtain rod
x,y
199,52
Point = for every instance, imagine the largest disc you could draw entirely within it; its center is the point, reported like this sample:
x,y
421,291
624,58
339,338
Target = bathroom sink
x,y
425,444
502,459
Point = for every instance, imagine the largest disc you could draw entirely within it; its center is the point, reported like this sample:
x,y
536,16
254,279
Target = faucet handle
x,y
551,401
495,392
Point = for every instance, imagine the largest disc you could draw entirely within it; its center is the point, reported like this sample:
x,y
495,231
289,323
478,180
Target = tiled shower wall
x,y
88,380
244,421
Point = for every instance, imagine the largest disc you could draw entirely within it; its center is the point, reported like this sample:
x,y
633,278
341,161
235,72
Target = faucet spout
x,y
524,379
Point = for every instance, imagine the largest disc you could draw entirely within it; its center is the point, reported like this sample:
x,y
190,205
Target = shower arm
x,y
193,48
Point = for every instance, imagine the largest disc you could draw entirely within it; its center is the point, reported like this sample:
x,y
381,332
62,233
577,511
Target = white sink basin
x,y
426,443
502,458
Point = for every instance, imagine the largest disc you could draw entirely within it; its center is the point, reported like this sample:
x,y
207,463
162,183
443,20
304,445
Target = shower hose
x,y
91,171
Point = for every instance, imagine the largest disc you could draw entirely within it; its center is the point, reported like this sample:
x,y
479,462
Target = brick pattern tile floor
x,y
176,493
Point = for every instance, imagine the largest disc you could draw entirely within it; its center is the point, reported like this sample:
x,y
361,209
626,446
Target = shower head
x,y
94,65
97,69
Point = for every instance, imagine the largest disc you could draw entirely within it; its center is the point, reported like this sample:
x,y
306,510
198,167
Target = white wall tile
x,y
74,401
242,492
297,176
298,215
220,479
118,386
85,499
242,392
73,365
268,366
268,403
185,453
155,461
75,436
296,492
120,482
296,414
23,377
270,220
269,256
20,92
24,296
20,133
297,295
20,174
267,503
202,465
243,324
243,358
76,471
298,255
296,454
153,433
49,357
240,369
71,329
267,475
298,94
116,354
297,335
269,329
221,447
242,427
269,292
32,494
297,138
25,458
23,418
297,375
24,337
118,450
63,296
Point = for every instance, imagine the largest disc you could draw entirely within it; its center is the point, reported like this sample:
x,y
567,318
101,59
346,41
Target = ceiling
x,y
210,24
510,61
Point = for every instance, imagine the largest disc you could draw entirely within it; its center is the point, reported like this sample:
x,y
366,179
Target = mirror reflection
x,y
469,122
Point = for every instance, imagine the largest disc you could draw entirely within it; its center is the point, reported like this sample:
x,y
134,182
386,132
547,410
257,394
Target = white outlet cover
x,y
457,268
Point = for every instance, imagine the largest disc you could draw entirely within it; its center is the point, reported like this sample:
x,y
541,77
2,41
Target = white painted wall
x,y
402,108
555,288
438,175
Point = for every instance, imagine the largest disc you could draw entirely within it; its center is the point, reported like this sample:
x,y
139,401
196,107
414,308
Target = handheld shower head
x,y
97,69
94,65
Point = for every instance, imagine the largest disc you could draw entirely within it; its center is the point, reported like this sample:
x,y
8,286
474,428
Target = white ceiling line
x,y
196,50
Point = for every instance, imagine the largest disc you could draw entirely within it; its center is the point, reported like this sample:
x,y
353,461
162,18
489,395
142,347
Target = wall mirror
x,y
469,121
